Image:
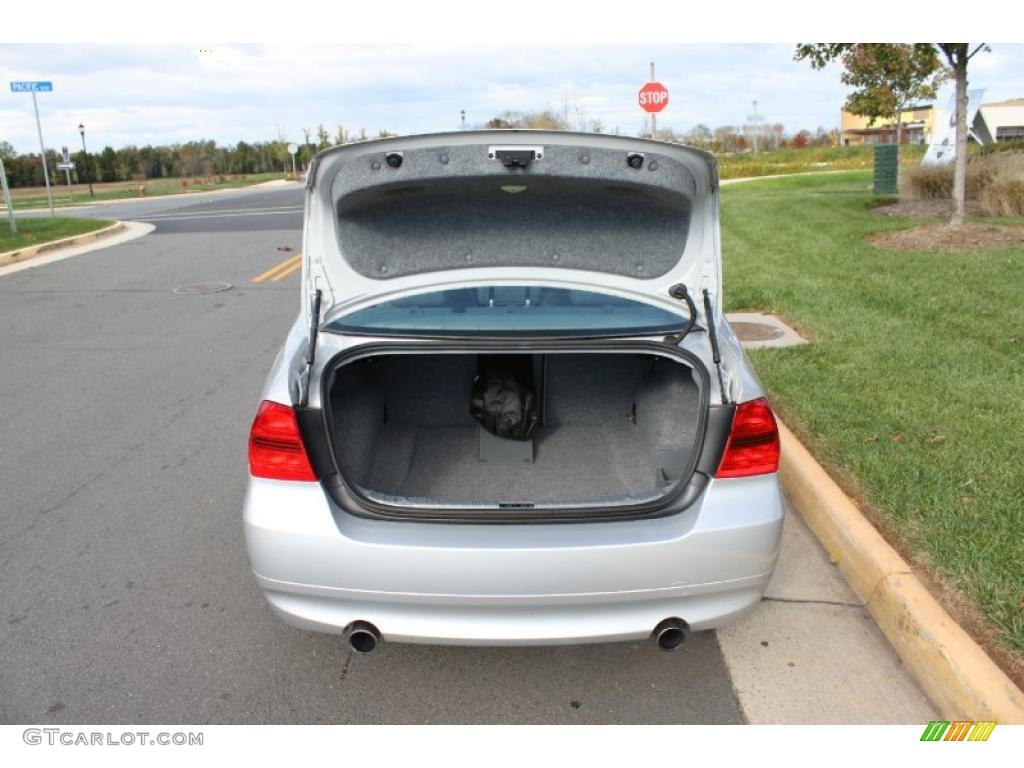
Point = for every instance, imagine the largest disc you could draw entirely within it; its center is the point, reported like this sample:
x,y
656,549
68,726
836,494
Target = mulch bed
x,y
928,209
944,237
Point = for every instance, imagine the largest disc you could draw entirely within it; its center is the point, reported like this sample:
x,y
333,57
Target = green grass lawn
x,y
807,160
43,229
912,393
35,197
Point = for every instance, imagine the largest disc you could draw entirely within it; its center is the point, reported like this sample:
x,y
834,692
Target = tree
x,y
699,135
108,164
323,139
545,120
886,77
958,55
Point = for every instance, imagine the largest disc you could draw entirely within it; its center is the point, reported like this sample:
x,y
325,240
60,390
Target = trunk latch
x,y
515,157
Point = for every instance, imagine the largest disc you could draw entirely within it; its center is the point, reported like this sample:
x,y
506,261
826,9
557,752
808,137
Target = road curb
x,y
958,676
24,254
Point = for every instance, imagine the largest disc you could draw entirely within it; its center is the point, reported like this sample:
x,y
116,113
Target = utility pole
x,y
754,120
654,119
755,127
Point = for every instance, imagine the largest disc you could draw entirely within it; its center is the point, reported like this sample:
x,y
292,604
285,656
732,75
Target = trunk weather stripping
x,y
716,354
307,369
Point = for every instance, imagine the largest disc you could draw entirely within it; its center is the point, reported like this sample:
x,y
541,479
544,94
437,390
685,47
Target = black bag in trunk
x,y
503,399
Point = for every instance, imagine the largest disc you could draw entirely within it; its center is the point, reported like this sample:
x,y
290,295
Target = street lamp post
x,y
88,173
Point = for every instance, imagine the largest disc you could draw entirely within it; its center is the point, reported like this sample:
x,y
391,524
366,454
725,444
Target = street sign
x,y
293,148
34,87
65,154
31,86
65,166
653,97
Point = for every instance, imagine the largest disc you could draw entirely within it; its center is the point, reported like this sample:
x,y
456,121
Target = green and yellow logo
x,y
960,730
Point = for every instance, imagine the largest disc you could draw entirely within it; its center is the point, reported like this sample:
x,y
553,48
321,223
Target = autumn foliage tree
x,y
885,78
957,55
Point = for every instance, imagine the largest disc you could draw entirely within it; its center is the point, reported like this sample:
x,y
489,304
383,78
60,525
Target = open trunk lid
x,y
403,215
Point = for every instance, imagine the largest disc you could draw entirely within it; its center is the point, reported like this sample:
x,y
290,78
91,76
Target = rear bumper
x,y
322,569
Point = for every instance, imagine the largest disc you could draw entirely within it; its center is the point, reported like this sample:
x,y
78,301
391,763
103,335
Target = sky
x,y
162,94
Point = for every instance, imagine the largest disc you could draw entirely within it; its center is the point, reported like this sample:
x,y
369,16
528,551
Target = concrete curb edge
x,y
958,676
24,254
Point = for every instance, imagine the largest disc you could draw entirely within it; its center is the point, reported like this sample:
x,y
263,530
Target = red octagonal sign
x,y
653,97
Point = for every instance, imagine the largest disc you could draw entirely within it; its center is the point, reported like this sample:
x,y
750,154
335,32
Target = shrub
x,y
1003,195
994,179
927,182
1014,145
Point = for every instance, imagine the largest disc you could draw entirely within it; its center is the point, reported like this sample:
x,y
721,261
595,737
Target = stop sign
x,y
653,97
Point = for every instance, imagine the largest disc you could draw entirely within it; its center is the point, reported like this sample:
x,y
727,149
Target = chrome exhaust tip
x,y
362,636
670,634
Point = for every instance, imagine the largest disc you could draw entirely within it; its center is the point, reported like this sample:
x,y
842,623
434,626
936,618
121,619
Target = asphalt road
x,y
125,592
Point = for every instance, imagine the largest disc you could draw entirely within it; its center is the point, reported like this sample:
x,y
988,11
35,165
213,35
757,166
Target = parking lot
x,y
128,596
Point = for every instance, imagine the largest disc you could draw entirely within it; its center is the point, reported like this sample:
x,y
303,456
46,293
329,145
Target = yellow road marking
x,y
283,265
283,275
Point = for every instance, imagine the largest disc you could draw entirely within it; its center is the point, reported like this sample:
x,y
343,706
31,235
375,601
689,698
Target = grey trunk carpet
x,y
572,464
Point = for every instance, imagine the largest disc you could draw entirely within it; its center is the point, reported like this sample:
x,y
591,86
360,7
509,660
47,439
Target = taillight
x,y
753,447
275,445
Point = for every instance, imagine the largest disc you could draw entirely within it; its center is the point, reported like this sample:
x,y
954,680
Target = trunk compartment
x,y
617,430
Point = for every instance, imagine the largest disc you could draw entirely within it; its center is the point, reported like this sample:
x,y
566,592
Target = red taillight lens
x,y
753,447
275,445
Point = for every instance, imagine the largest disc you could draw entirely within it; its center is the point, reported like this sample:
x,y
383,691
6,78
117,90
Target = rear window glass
x,y
509,310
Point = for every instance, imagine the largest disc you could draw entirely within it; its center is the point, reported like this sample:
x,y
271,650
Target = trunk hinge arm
x,y
310,357
716,353
679,292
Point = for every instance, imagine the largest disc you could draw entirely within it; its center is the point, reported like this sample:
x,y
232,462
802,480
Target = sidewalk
x,y
151,198
812,654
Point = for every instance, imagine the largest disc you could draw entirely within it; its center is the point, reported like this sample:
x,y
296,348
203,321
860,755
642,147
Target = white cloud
x,y
155,94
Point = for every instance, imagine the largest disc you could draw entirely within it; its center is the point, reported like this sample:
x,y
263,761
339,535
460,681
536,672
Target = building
x,y
995,121
1004,120
917,127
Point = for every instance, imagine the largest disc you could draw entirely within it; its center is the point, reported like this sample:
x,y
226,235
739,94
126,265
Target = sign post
x,y
653,98
7,198
67,166
292,149
33,87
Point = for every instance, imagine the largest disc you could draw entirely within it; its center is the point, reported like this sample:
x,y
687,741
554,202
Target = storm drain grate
x,y
197,288
756,331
